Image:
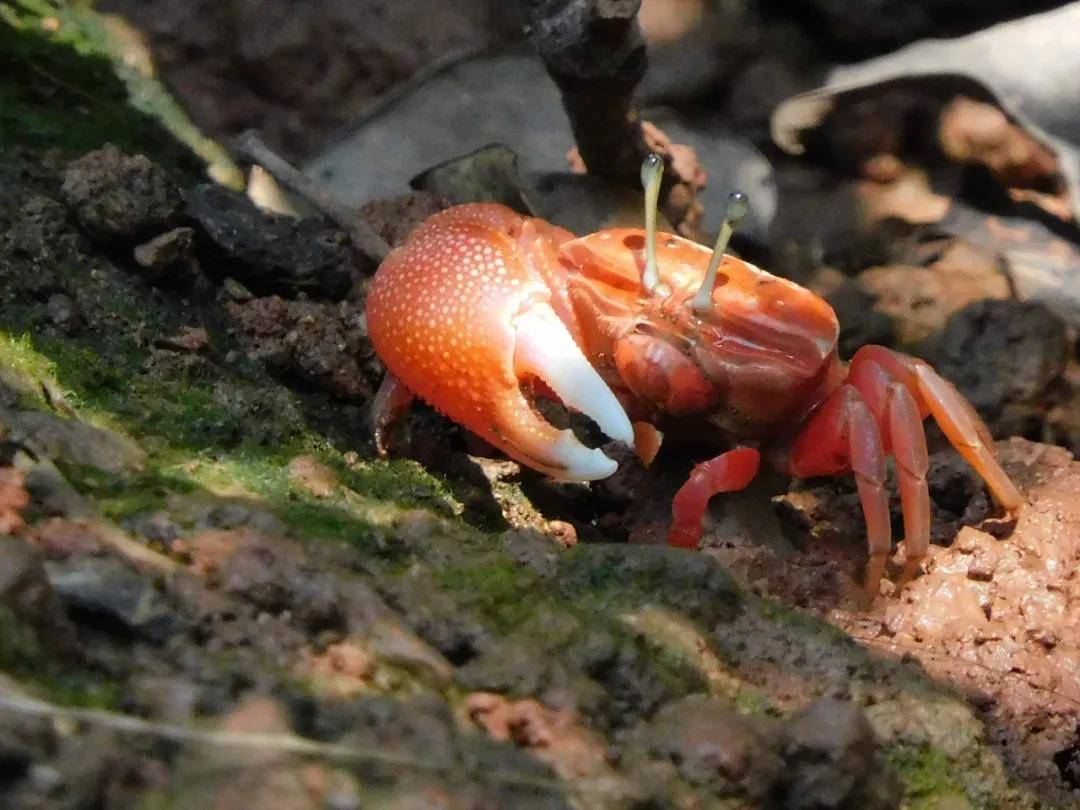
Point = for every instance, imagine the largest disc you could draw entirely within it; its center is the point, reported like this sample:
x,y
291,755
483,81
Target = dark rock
x,y
271,254
64,313
831,760
51,494
1020,348
324,345
32,617
115,197
712,745
72,440
106,589
689,582
876,26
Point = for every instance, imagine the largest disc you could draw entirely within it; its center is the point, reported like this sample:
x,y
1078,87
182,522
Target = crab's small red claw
x,y
460,314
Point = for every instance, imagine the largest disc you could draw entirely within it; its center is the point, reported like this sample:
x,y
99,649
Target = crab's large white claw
x,y
461,315
545,348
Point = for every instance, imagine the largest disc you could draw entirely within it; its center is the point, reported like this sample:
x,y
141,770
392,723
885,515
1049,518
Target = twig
x,y
595,53
284,743
250,147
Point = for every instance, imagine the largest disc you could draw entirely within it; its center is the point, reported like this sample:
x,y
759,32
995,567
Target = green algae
x,y
74,79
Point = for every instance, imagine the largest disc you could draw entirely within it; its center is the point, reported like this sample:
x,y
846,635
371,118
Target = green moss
x,y
499,588
68,81
23,656
928,775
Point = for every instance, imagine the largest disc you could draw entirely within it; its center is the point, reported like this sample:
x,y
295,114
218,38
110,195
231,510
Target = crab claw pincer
x,y
461,314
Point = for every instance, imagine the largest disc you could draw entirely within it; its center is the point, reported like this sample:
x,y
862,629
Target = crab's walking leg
x,y
908,442
899,420
728,472
841,435
391,401
966,431
954,414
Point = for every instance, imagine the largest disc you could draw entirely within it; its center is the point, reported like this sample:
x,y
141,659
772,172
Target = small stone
x,y
188,339
313,476
60,539
25,592
236,291
831,761
63,312
116,196
107,588
169,256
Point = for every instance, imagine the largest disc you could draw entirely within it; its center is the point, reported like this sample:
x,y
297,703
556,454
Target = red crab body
x,y
482,306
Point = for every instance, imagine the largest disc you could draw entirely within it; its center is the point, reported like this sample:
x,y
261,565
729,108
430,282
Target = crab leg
x,y
908,442
729,472
966,431
844,435
899,420
390,403
954,414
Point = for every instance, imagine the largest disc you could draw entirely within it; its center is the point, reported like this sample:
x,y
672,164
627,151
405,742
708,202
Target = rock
x,y
32,616
555,736
321,344
271,253
922,299
169,257
313,476
165,699
269,572
59,539
107,589
114,196
64,313
72,440
394,218
712,745
191,339
13,499
245,564
831,760
1020,348
53,495
861,321
220,777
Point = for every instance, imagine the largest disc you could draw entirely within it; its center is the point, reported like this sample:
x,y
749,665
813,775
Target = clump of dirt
x,y
319,344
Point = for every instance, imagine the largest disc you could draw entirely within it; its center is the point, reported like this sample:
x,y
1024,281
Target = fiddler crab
x,y
482,310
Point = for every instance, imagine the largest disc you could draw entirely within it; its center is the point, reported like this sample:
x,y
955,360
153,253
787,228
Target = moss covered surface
x,y
74,80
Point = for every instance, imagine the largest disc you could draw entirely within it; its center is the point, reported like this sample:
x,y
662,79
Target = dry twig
x,y
251,148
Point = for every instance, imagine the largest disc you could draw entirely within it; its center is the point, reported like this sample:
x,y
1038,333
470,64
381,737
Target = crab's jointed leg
x,y
729,472
390,403
843,435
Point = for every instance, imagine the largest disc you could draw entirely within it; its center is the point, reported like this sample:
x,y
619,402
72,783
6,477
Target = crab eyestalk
x,y
737,208
652,171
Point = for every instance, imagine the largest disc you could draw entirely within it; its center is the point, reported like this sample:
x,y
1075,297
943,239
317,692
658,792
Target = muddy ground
x,y
200,545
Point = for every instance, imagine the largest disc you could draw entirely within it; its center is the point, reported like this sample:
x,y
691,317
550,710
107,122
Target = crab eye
x,y
652,171
737,208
